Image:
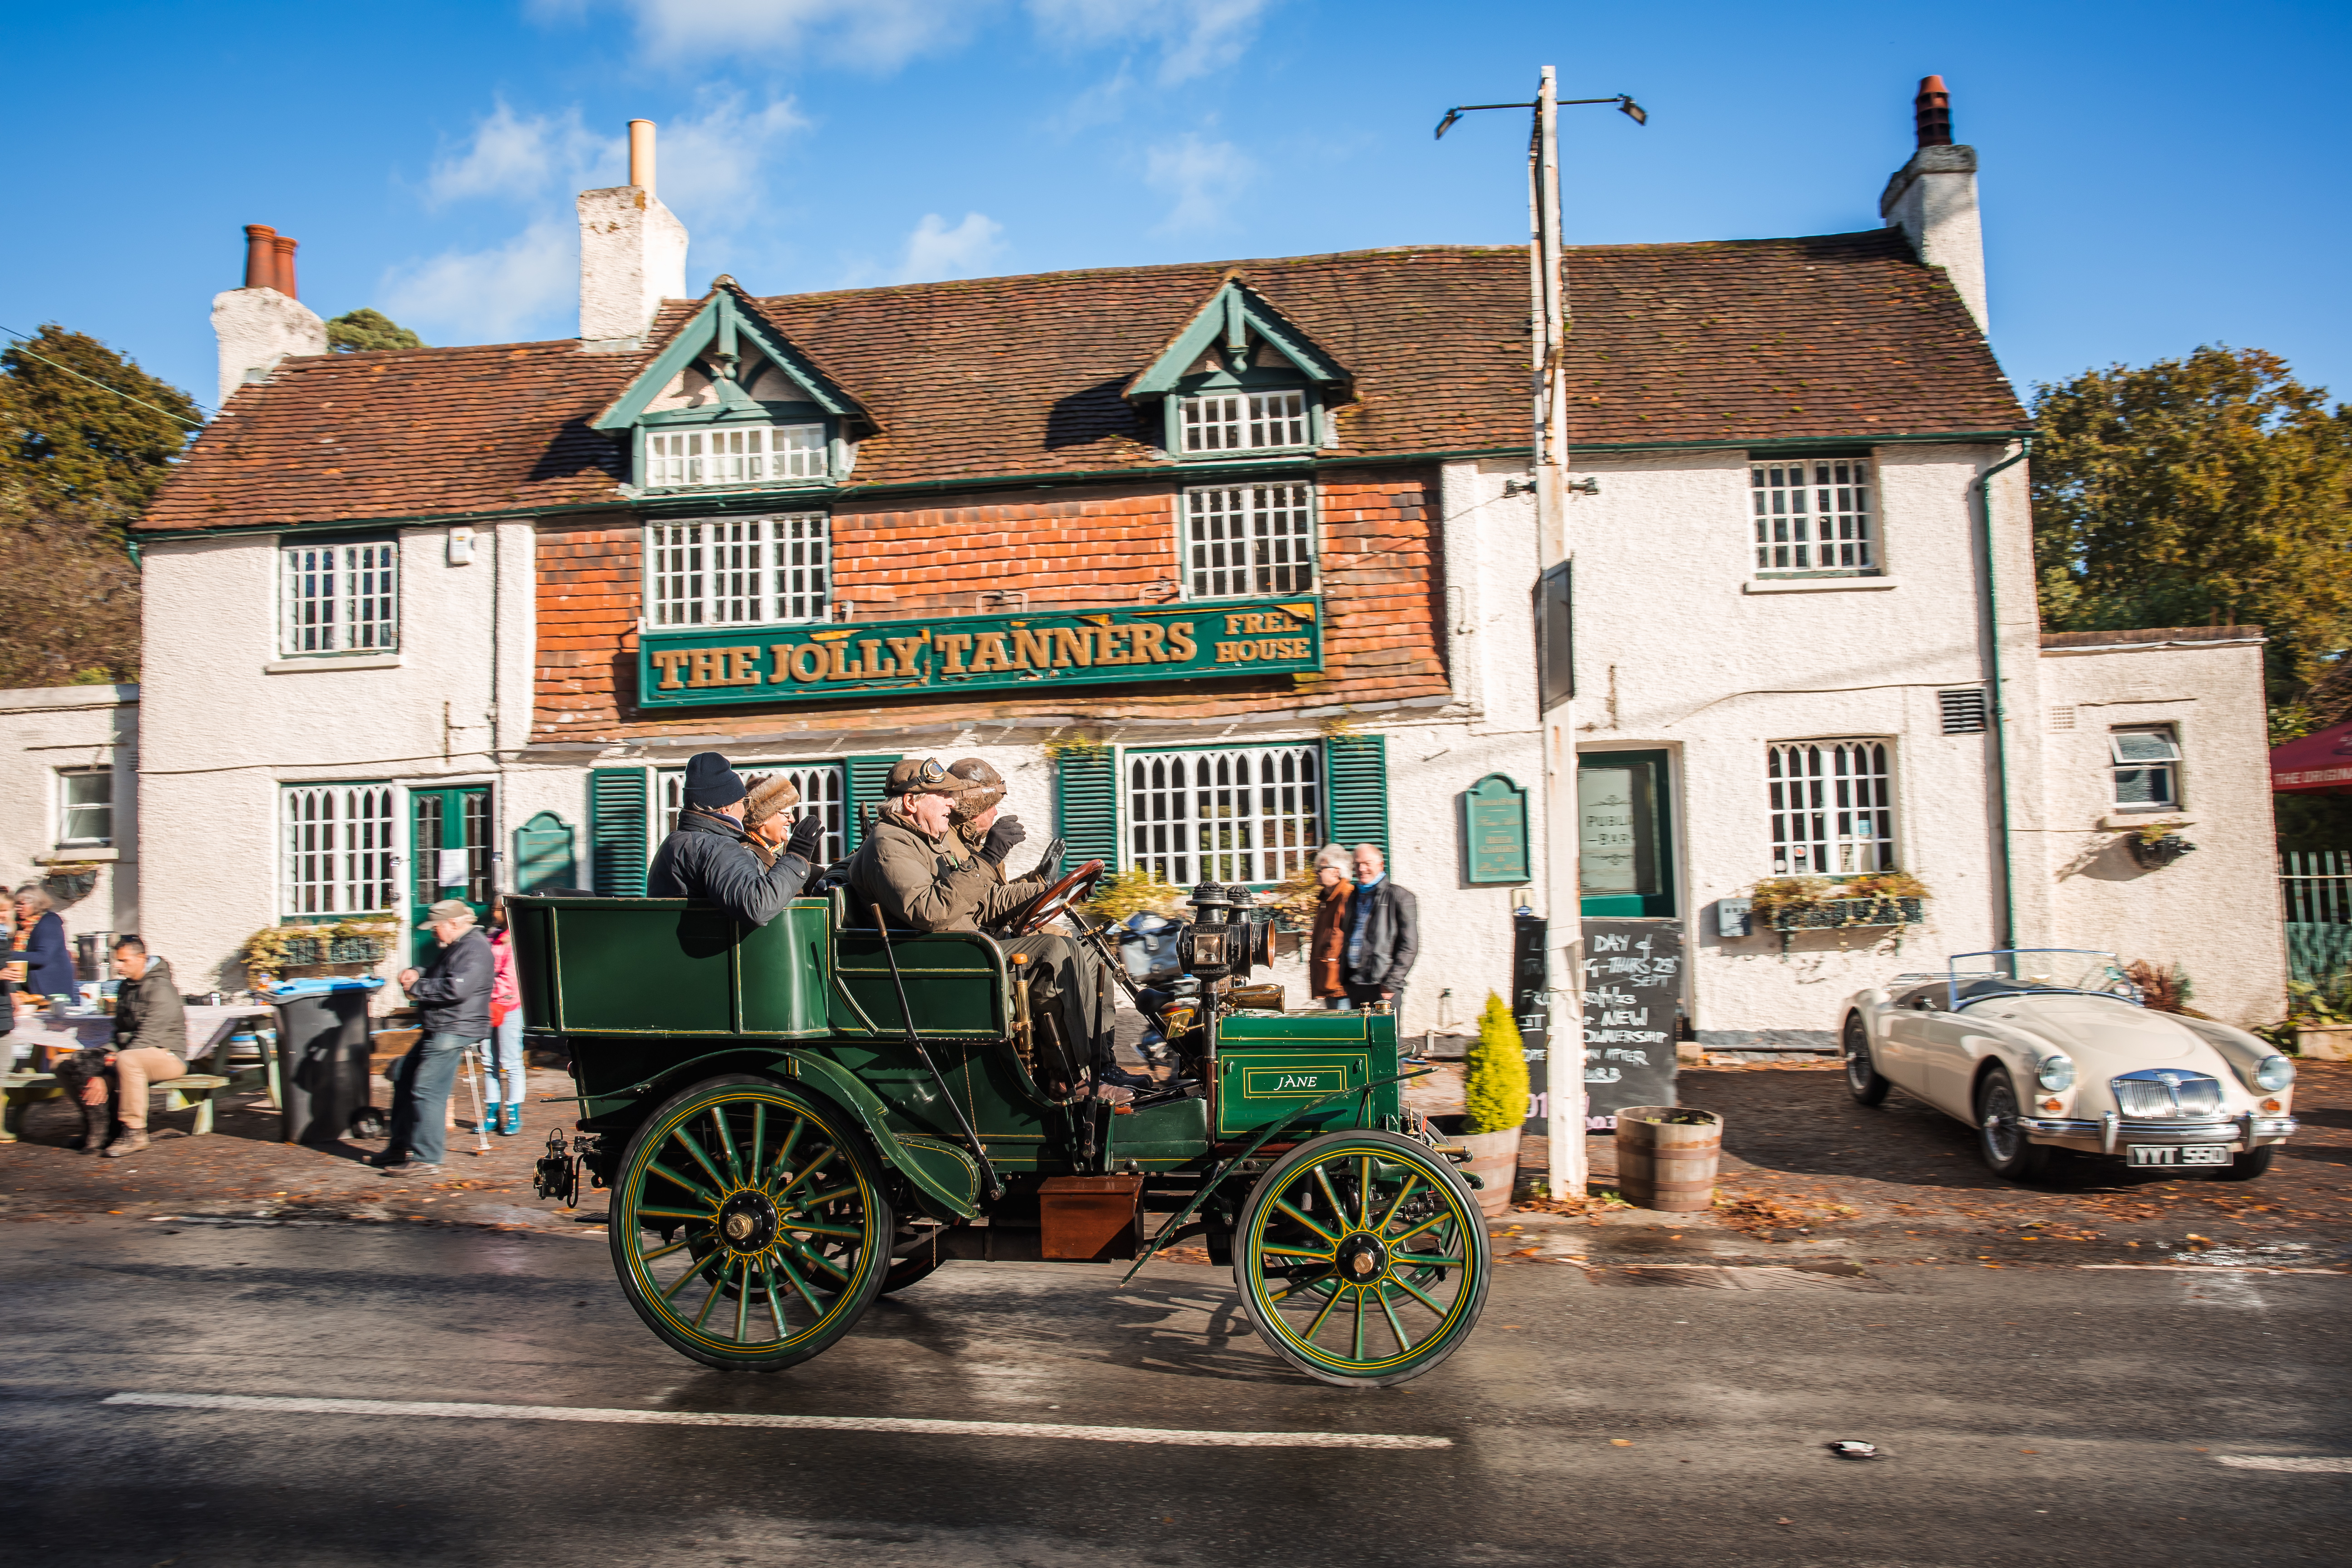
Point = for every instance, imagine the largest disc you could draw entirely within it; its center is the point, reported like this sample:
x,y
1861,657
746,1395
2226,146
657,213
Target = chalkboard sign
x,y
1494,830
1531,1003
1633,987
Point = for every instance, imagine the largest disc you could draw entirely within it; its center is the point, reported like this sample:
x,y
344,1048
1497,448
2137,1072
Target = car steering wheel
x,y
1074,889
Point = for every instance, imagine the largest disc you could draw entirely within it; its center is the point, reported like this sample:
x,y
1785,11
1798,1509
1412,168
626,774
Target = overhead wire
x,y
23,338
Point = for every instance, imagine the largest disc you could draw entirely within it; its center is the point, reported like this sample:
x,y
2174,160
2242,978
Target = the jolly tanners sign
x,y
1217,639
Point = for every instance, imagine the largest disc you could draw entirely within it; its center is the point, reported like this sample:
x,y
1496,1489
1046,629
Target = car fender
x,y
942,1175
1991,1044
2242,1051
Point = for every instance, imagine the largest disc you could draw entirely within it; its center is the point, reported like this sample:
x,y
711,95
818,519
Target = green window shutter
x,y
616,831
1356,790
1085,805
867,777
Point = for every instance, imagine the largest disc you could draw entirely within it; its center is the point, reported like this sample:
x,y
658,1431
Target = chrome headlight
x,y
2055,1073
2273,1073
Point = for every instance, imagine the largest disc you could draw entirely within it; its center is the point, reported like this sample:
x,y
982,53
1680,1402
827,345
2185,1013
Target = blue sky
x,y
2155,174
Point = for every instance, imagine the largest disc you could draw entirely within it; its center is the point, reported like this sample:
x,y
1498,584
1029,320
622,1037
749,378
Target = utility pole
x,y
1563,886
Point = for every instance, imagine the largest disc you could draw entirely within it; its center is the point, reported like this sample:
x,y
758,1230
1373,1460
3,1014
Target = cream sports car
x,y
2049,1049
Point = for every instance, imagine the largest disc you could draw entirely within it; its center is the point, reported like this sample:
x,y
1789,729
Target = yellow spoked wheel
x,y
750,1227
1361,1258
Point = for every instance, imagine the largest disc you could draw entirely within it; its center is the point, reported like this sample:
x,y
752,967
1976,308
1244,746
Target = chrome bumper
x,y
2110,1133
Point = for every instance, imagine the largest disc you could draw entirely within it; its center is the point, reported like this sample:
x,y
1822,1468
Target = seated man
x,y
920,873
707,856
150,1046
975,814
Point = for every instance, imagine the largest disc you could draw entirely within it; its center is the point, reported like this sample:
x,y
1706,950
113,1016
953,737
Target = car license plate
x,y
2180,1153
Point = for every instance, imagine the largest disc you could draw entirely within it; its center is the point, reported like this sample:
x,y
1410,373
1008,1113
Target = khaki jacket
x,y
931,884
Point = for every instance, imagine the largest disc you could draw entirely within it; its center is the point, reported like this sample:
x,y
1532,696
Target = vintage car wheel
x,y
1361,1258
1863,1080
2249,1166
749,1225
2000,1140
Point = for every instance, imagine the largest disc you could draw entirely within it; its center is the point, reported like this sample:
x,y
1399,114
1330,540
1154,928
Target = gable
x,y
727,361
1232,341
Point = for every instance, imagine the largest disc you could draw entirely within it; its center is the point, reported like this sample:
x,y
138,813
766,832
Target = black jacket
x,y
148,1013
454,992
707,858
1391,935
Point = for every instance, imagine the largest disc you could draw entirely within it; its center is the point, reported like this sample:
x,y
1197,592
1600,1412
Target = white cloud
x,y
1193,37
489,295
516,157
876,34
935,251
1203,177
710,161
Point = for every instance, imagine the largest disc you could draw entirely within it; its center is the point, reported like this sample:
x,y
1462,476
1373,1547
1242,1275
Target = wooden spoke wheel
x,y
1361,1258
749,1225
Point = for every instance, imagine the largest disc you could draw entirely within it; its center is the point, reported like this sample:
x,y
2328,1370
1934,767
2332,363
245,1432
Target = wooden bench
x,y
24,1089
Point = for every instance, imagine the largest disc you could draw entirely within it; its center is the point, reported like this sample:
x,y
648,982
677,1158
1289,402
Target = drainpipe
x,y
1983,488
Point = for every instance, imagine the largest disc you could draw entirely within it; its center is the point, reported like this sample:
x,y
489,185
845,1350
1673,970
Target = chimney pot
x,y
260,256
641,154
284,283
1932,112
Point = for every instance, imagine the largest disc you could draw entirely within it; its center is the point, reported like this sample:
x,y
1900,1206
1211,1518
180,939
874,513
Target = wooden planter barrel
x,y
1494,1161
1669,1166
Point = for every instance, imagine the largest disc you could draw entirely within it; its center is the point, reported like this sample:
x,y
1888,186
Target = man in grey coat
x,y
707,856
1383,935
453,992
150,1046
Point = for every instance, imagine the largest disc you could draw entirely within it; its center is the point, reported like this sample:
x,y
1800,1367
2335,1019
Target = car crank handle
x,y
923,1054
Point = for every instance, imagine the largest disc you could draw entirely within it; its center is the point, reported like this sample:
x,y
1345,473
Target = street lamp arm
x,y
1623,102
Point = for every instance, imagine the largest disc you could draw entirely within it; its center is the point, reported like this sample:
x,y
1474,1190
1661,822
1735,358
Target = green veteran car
x,y
797,1118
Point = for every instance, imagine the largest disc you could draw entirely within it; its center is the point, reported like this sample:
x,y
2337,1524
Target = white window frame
x,y
66,805
1259,829
338,597
1831,806
1814,517
342,848
824,786
703,456
2167,765
1211,424
1224,550
771,569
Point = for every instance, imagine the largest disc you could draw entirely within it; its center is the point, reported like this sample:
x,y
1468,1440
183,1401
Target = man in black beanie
x,y
706,857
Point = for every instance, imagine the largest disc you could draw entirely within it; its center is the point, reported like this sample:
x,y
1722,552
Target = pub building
x,y
1215,562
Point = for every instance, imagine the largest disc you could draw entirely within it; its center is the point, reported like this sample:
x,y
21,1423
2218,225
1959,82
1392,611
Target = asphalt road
x,y
2031,1415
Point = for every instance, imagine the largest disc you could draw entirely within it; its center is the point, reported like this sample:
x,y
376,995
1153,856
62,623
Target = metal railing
x,y
2316,892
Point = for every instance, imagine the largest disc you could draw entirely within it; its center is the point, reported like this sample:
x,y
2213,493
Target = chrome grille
x,y
2160,1091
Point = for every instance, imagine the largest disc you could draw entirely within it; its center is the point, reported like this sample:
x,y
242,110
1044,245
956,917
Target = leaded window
x,y
340,848
738,571
1240,540
1243,814
1244,421
1832,807
1813,515
340,598
734,455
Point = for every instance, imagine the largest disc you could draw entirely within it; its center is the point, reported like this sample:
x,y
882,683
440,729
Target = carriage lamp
x,y
2055,1073
2273,1073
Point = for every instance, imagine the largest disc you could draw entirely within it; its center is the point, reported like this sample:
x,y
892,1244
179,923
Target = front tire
x,y
749,1224
1362,1258
2251,1166
2000,1140
1863,1079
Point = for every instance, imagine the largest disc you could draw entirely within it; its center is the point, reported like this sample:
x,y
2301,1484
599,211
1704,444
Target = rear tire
x,y
2251,1166
2000,1140
1863,1080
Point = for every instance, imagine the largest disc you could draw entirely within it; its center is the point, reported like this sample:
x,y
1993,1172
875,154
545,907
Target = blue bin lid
x,y
287,990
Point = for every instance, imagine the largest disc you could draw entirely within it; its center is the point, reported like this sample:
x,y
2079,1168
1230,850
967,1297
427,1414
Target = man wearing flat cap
x,y
709,855
925,876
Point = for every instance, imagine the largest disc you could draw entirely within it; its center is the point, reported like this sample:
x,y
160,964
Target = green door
x,y
449,843
1625,839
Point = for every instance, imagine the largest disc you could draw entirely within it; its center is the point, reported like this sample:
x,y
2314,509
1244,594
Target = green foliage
x,y
1495,1090
2213,489
1122,894
78,462
365,331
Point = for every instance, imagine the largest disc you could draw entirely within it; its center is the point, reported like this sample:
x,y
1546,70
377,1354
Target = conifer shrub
x,y
1495,1090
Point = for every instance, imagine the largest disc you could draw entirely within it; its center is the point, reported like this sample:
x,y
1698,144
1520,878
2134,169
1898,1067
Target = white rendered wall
x,y
632,257
42,729
256,328
2214,912
1933,200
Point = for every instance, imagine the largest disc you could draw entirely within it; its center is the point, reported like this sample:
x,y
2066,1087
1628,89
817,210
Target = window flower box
x,y
1842,914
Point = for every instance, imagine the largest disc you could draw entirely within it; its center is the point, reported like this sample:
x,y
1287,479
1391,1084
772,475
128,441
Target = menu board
x,y
1633,993
1531,1004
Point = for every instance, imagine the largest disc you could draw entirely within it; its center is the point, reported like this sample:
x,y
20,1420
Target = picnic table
x,y
52,1034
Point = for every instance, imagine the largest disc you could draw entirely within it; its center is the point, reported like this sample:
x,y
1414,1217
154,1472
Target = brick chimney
x,y
632,252
1933,200
263,323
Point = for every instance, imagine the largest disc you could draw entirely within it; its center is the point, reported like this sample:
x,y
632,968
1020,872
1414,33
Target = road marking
x,y
2300,1464
285,1406
2211,1268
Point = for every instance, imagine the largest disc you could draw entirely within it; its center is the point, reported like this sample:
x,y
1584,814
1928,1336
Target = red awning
x,y
2316,761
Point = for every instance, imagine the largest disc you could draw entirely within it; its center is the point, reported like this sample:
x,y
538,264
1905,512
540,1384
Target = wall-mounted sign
x,y
1494,830
1192,641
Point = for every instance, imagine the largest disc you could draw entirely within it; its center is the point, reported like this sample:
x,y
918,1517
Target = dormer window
x,y
735,455
1239,378
1245,422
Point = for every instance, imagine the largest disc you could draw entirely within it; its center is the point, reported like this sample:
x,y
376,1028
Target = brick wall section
x,y
1105,546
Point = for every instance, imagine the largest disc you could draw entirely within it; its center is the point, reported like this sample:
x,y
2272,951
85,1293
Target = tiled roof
x,y
1832,336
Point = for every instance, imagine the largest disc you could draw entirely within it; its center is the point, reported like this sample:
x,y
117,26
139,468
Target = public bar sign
x,y
1211,639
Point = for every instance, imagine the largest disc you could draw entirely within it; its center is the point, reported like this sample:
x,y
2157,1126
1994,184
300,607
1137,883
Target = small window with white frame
x,y
1240,540
824,786
740,570
340,598
1813,517
85,808
340,848
1238,814
2144,760
734,455
1246,422
1832,807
